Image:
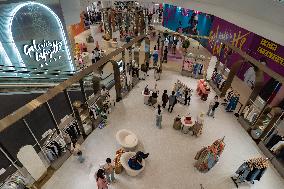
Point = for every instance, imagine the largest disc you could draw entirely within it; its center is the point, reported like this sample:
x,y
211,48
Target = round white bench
x,y
127,139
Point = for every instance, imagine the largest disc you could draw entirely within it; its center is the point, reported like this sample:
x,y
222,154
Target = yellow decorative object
x,y
117,163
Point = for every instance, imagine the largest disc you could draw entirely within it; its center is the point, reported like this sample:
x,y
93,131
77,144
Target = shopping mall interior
x,y
183,94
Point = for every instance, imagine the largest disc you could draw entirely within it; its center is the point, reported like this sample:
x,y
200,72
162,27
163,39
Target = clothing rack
x,y
251,170
13,179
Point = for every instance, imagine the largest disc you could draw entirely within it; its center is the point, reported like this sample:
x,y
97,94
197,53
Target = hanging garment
x,y
212,160
200,69
247,111
58,147
53,150
249,77
255,174
233,102
243,172
219,77
251,114
258,177
274,140
222,83
277,146
49,154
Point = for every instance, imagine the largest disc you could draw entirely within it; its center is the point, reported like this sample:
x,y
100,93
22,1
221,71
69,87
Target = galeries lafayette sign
x,y
45,50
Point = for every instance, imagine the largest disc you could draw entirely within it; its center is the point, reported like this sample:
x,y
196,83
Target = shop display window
x,y
193,66
220,75
253,110
274,143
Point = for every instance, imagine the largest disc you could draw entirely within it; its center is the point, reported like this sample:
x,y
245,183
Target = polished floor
x,y
170,164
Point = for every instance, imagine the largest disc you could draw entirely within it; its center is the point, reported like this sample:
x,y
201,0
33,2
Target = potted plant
x,y
185,45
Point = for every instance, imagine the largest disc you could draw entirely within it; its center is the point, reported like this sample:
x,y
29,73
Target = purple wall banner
x,y
224,31
272,52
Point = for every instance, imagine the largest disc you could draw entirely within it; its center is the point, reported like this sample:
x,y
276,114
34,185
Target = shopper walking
x,y
166,43
101,180
157,73
76,151
109,171
165,58
187,98
97,54
93,57
155,57
159,117
172,101
212,106
158,41
165,98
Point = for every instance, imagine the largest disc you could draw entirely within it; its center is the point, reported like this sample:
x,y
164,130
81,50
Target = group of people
x,y
105,175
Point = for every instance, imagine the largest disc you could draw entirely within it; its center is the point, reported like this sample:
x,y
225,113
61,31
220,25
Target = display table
x,y
185,126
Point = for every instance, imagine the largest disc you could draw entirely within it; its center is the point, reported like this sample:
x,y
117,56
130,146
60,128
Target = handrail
x,y
51,93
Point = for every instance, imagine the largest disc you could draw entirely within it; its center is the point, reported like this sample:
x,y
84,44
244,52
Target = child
x,y
101,181
76,149
109,171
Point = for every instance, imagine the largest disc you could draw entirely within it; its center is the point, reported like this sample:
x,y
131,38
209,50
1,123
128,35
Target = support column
x,y
37,142
231,76
68,100
11,159
96,84
77,105
147,49
136,54
117,80
162,53
83,90
123,56
259,78
52,117
277,112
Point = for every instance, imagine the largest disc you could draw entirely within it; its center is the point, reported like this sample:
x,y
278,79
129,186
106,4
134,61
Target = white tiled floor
x,y
170,164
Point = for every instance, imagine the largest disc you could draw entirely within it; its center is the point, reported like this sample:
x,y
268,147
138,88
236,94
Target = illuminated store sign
x,y
33,35
46,50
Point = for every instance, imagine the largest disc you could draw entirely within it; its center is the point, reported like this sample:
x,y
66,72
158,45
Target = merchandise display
x,y
203,89
251,170
193,66
181,89
14,181
198,125
275,141
251,112
218,79
208,156
232,101
55,146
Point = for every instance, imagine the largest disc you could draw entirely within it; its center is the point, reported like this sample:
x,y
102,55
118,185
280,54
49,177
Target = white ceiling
x,y
263,17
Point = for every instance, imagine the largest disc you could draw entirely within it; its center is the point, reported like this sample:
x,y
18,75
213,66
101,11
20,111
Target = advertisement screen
x,y
187,21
